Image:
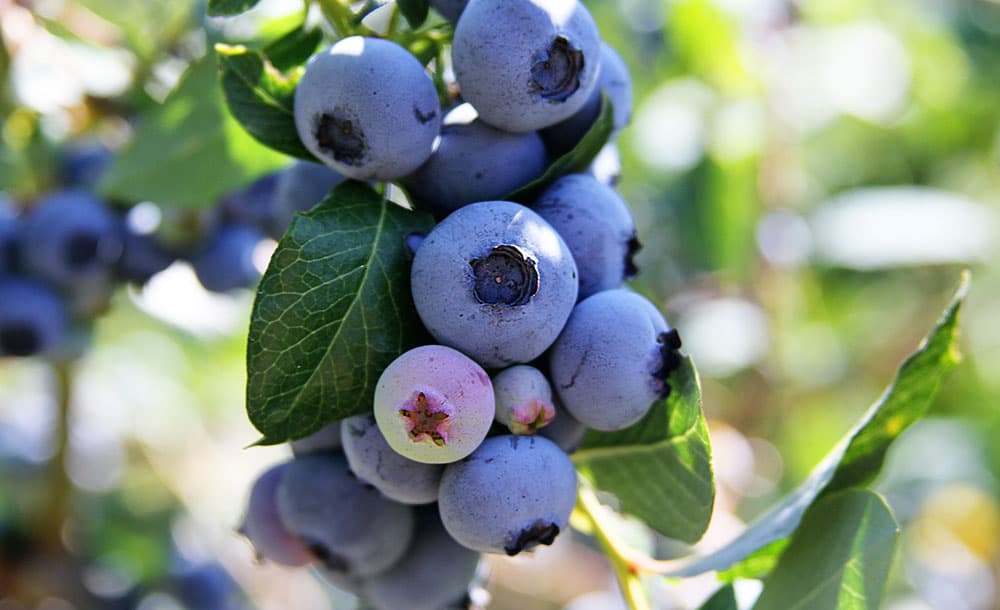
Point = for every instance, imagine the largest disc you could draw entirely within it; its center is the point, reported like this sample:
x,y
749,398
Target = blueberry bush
x,y
459,332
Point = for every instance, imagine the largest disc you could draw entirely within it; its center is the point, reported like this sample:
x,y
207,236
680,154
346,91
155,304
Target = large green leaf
x,y
294,47
858,457
188,152
660,469
261,98
838,558
576,160
332,311
223,8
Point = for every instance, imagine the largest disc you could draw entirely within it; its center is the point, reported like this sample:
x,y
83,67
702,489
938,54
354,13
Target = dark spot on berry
x,y
670,359
505,276
19,340
555,73
424,118
81,250
633,248
537,533
339,135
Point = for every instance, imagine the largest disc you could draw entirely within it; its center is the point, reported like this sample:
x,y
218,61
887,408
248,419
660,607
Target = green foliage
x,y
332,311
660,468
576,160
415,11
223,8
261,99
859,455
839,557
188,152
294,48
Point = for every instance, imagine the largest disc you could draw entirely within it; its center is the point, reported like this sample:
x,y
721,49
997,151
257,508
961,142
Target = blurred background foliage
x,y
808,177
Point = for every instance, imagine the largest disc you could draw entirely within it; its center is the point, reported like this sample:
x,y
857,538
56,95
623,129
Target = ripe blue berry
x,y
374,461
366,108
82,164
70,238
226,261
263,527
252,205
524,399
596,224
475,162
346,524
611,362
526,64
511,494
434,572
143,256
614,81
299,188
326,438
434,405
33,319
495,281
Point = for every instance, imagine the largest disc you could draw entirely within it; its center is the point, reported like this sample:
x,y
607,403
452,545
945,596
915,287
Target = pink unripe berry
x,y
524,399
434,404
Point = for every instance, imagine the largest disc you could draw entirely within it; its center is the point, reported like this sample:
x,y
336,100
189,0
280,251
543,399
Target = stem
x,y
59,493
625,570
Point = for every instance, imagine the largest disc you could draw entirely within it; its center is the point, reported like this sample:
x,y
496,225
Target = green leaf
x,y
838,558
188,151
262,99
576,160
415,11
294,48
224,8
660,469
858,457
757,565
332,311
724,599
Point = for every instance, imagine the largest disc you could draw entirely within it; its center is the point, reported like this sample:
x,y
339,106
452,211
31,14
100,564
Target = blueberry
x,y
252,205
262,524
564,429
326,438
597,226
511,494
83,164
348,525
374,461
450,9
143,256
495,281
435,570
615,81
524,399
475,162
33,319
367,108
526,64
611,362
226,262
207,586
434,405
70,237
299,188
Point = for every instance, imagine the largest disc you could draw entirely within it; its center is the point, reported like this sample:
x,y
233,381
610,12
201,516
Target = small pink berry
x,y
434,404
523,399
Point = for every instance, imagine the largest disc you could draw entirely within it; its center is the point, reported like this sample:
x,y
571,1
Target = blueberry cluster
x,y
465,449
62,254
